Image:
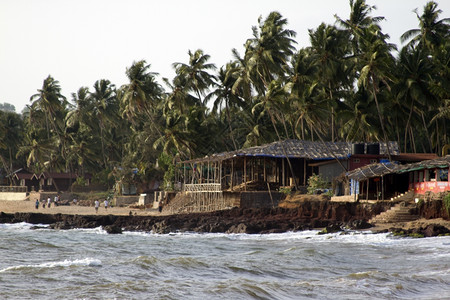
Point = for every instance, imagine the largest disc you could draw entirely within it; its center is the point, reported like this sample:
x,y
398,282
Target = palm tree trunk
x,y
427,133
284,150
381,120
229,125
407,122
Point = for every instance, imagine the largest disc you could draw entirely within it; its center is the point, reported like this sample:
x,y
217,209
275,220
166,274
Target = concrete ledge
x,y
125,200
10,196
349,198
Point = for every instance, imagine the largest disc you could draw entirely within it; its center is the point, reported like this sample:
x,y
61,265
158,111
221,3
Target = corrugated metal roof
x,y
296,149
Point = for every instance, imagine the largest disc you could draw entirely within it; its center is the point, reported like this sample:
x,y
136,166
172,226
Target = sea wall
x,y
311,214
433,209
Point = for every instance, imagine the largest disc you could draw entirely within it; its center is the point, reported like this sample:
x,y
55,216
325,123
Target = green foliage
x,y
286,190
166,164
7,107
420,203
447,203
80,181
316,182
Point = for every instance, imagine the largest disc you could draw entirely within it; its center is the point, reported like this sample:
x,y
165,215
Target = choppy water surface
x,y
90,264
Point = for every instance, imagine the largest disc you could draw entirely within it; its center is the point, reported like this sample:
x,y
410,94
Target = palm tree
x,y
175,137
415,71
38,153
141,94
103,101
268,52
52,103
376,61
432,32
82,107
195,74
360,19
224,94
329,50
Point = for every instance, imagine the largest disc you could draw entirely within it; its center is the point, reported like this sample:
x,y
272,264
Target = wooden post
x,y
264,166
220,175
304,172
232,172
184,175
283,179
367,196
245,173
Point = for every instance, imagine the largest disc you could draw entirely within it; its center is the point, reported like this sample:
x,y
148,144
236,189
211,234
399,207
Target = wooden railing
x,y
203,187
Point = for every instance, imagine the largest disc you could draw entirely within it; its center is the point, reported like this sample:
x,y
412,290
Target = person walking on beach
x,y
49,202
106,204
37,204
96,204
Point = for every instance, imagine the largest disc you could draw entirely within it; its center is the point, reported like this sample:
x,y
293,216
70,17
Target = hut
x,y
266,169
54,181
386,180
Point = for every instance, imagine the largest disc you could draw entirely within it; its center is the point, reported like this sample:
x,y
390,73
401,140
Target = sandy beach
x,y
28,206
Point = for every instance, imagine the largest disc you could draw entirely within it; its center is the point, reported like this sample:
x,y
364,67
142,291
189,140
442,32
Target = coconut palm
x,y
142,94
360,18
195,74
103,100
82,106
328,51
224,94
268,52
52,103
415,71
376,64
432,32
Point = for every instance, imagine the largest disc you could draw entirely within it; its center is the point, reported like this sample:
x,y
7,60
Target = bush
x,y
286,190
447,203
316,182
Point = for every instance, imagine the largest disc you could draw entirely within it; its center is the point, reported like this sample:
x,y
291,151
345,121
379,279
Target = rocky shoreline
x,y
329,216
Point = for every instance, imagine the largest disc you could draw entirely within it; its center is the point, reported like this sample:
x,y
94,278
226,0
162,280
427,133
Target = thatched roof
x,y
296,149
441,162
372,170
380,169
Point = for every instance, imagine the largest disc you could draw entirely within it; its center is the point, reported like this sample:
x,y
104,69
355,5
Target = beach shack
x,y
54,181
429,176
254,177
28,180
389,180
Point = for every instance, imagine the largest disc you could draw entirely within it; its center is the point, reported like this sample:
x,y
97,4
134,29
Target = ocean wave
x,y
21,226
96,230
89,262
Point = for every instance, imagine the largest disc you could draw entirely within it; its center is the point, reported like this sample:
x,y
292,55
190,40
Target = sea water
x,y
90,264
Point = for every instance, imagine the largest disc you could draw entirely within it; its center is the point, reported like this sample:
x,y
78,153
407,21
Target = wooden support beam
x,y
245,173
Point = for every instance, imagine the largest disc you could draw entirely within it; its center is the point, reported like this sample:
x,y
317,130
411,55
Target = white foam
x,y
89,262
96,230
20,226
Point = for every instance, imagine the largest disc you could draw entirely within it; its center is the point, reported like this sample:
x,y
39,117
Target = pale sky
x,y
80,41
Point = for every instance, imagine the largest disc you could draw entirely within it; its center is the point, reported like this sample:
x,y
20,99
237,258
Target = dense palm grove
x,y
350,84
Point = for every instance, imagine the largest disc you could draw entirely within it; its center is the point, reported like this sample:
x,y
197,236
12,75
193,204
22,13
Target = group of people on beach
x,y
48,202
97,205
